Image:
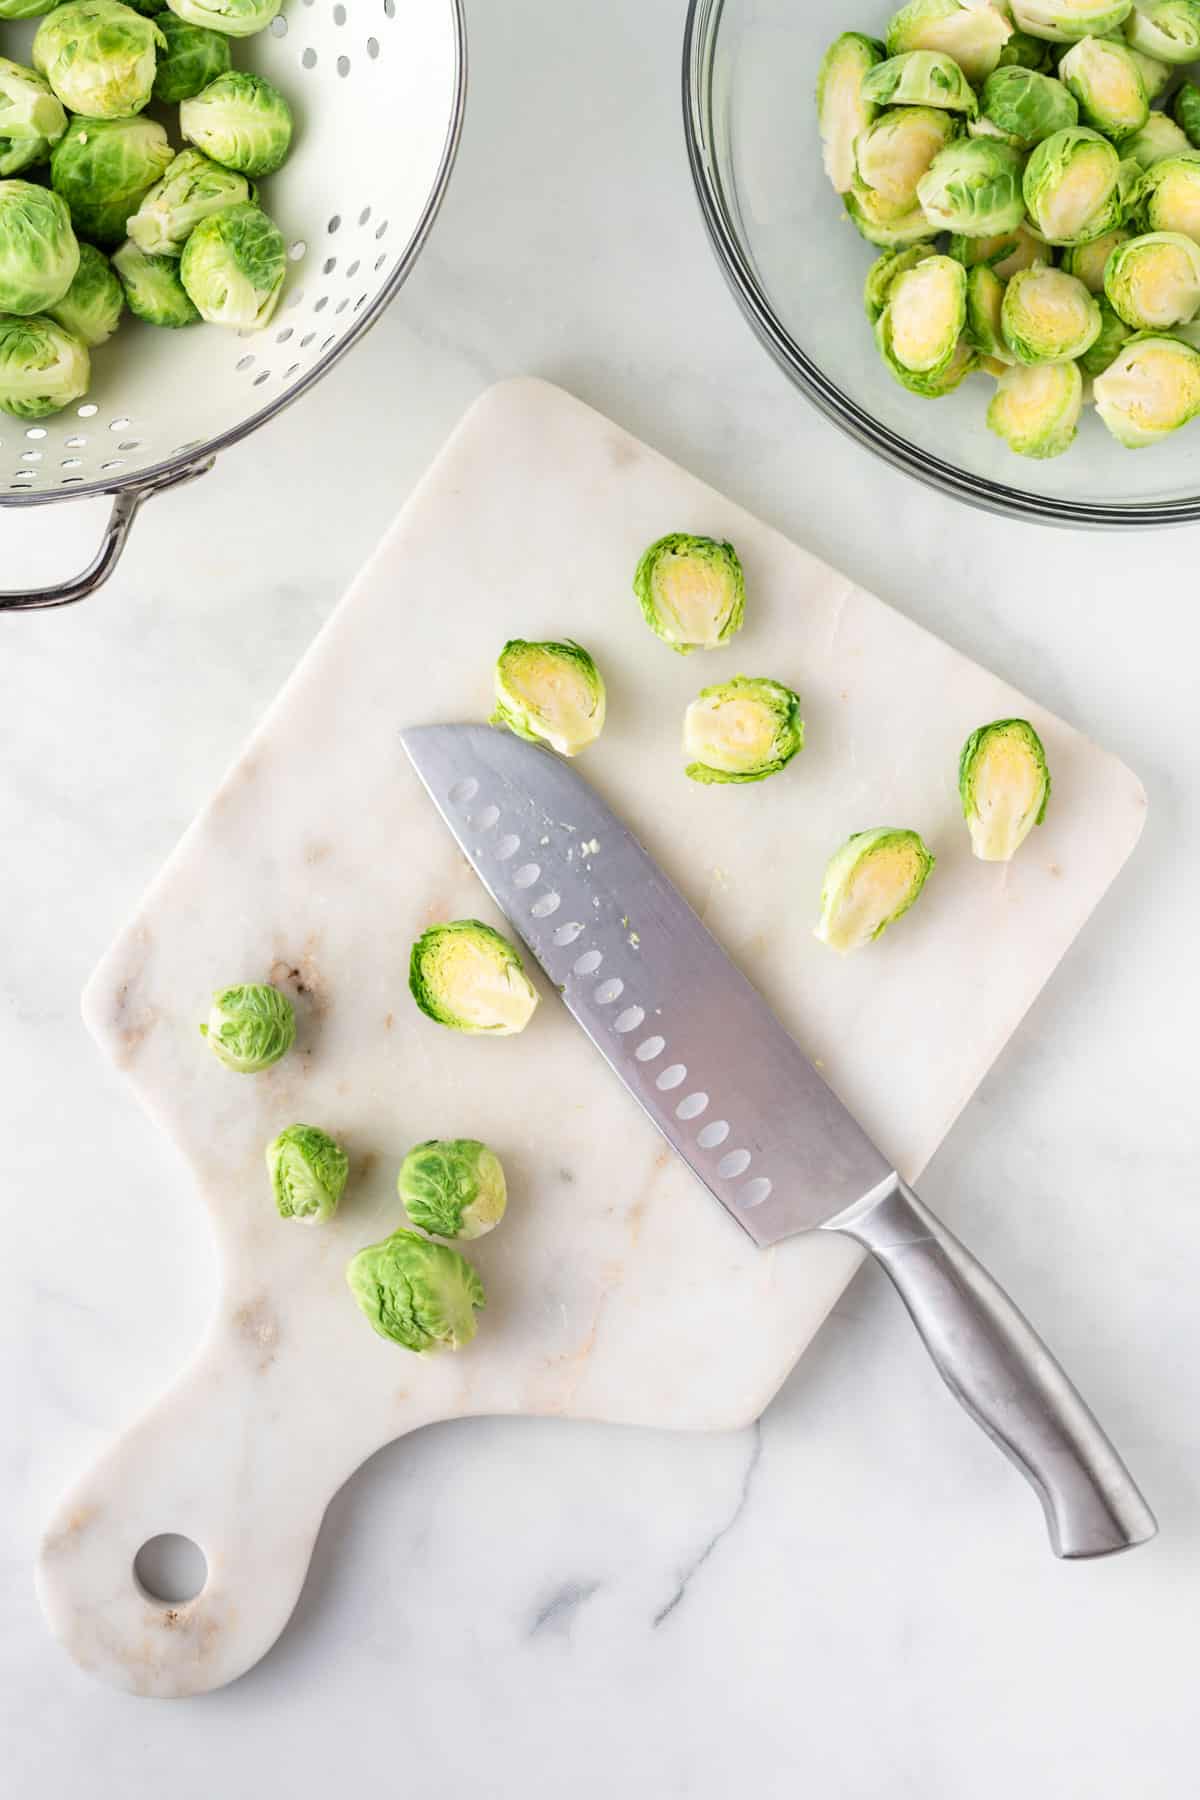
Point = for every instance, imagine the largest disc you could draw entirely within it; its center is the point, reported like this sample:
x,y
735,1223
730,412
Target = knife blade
x,y
702,1053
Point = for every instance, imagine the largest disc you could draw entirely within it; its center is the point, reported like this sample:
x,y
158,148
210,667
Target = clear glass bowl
x,y
797,267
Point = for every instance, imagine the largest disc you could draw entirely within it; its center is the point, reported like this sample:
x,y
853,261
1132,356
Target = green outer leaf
x,y
1025,104
39,254
236,18
233,266
153,290
521,717
421,1295
862,845
716,554
423,971
453,1187
194,56
784,706
250,1027
985,298
99,56
308,1171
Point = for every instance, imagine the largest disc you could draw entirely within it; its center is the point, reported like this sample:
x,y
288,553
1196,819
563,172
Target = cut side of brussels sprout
x,y
894,152
42,367
1087,262
1169,196
870,883
193,57
236,18
1151,388
99,57
550,694
926,314
920,78
250,1027
39,253
985,301
103,168
1168,30
1036,410
308,1171
241,121
92,306
1159,137
1105,79
420,1295
1153,282
1113,333
885,269
973,189
29,112
691,591
1004,784
453,1188
233,266
1048,316
1025,107
742,730
842,112
1073,187
466,976
974,36
1007,254
153,290
1066,21
192,189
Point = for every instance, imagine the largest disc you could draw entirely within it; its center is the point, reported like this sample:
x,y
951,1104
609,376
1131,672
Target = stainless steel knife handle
x,y
993,1361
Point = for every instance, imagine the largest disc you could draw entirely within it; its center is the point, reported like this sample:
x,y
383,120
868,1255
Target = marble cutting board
x,y
617,1289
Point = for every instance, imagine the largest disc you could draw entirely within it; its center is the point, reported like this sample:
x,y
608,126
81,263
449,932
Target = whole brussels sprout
x,y
973,189
926,312
1025,106
1153,282
236,18
1087,262
1036,410
1186,110
42,367
1004,785
1048,317
920,78
1006,254
466,976
453,1187
103,168
308,1172
870,883
842,112
894,152
985,301
250,1027
241,121
1114,332
742,730
194,56
1158,137
1166,29
39,252
192,189
153,290
1066,21
550,694
885,269
1105,79
691,591
420,1295
1169,196
233,267
1149,390
91,307
99,57
973,35
1073,187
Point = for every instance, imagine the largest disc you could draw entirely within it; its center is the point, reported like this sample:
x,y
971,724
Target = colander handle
x,y
124,510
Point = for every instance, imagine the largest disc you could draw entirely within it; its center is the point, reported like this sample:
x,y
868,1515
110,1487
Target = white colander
x,y
377,88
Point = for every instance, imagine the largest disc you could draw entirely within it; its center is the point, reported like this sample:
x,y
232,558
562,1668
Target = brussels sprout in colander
x,y
103,168
194,56
42,367
153,290
236,18
39,252
233,266
92,306
240,121
99,57
192,189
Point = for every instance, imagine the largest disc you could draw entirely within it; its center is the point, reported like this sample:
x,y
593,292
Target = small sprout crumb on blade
x,y
742,730
692,591
308,1171
466,976
870,883
550,694
250,1027
453,1187
1004,782
421,1295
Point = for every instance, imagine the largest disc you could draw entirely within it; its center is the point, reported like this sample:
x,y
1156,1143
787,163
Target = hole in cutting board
x,y
170,1568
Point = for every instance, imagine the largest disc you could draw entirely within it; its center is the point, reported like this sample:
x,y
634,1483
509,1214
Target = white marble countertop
x,y
855,1598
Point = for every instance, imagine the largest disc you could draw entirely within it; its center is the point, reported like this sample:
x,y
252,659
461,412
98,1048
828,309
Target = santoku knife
x,y
703,1054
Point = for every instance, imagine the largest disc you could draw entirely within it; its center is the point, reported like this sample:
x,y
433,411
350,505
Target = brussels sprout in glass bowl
x,y
995,426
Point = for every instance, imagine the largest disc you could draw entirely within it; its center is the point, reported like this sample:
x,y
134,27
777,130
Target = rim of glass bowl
x,y
699,48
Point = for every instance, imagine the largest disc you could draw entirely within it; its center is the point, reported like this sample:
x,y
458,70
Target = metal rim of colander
x,y
156,475
699,44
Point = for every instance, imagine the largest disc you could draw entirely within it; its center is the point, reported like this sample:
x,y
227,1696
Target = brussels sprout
x,y
1073,187
1156,76
1106,81
236,18
1169,196
453,1187
871,882
192,189
691,591
1150,389
423,1296
974,36
233,267
39,253
466,976
985,299
1025,107
98,56
308,1173
1036,410
1004,784
1153,282
1186,109
153,290
964,362
103,168
194,56
885,269
42,367
1048,316
842,112
742,730
926,313
894,152
240,121
25,9
1168,30
1113,333
91,307
1065,21
883,224
31,117
973,189
250,1027
1007,254
1159,137
1023,51
1087,262
550,694
920,78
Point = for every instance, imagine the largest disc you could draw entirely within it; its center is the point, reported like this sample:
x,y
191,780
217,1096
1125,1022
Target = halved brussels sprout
x,y
31,117
1153,282
1186,109
1168,198
1105,79
236,18
1036,410
453,1187
250,1027
1168,30
1113,333
894,152
842,112
1073,187
1025,106
742,730
1004,785
192,189
920,78
691,591
885,269
420,1295
1087,262
103,168
926,314
233,267
1066,21
99,57
91,307
194,56
1159,137
1156,76
39,253
973,35
1048,316
1024,51
42,367
882,224
308,1171
973,188
870,883
241,121
550,694
985,300
1150,389
153,290
1007,254
466,976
